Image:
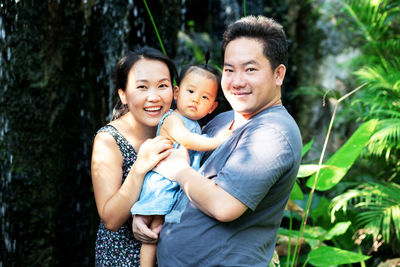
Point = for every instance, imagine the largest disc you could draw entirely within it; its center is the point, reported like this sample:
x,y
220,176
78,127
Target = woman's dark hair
x,y
125,64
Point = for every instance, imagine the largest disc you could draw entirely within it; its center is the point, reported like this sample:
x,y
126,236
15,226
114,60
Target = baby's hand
x,y
223,135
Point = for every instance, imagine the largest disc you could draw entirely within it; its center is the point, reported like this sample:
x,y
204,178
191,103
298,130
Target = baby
x,y
195,97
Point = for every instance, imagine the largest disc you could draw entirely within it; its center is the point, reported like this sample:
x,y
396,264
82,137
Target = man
x,y
238,196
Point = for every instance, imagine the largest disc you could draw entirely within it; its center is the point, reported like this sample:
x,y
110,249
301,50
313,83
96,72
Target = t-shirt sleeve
x,y
261,156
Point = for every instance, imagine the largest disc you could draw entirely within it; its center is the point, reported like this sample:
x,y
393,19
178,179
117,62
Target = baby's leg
x,y
148,251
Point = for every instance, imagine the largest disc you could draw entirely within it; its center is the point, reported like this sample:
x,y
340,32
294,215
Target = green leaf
x,y
307,170
344,157
295,233
307,147
296,193
316,232
377,205
321,213
338,229
312,235
328,256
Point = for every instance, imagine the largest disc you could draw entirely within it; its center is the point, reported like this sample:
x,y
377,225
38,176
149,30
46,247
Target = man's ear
x,y
279,74
122,96
213,107
176,92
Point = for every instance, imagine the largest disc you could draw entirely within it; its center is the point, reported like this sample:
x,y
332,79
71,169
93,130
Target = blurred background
x,y
57,61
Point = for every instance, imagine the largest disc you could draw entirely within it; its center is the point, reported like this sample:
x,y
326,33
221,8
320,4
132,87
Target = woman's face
x,y
148,91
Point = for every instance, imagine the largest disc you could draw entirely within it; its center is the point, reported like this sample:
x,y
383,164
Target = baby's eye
x,y
204,97
190,91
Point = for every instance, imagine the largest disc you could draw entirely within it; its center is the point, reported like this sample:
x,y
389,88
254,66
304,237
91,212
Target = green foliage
x,y
320,214
275,260
378,67
331,174
306,147
344,158
374,25
382,99
331,256
315,235
378,205
373,18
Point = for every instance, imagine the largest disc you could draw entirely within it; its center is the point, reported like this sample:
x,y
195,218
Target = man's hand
x,y
173,164
141,230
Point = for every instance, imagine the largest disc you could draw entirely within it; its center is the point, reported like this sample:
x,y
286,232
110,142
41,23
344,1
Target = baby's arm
x,y
174,129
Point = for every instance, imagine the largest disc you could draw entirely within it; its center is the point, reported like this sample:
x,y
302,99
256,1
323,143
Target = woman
x,y
144,83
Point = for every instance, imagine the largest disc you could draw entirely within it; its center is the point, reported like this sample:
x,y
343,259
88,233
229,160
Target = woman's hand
x,y
151,152
174,163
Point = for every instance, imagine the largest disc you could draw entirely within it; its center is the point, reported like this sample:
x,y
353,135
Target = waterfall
x,y
231,11
5,167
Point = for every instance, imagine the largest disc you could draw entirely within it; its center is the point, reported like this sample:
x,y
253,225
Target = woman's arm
x,y
114,200
174,129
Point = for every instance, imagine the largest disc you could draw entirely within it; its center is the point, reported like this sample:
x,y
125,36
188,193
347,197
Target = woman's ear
x,y
279,74
176,92
122,96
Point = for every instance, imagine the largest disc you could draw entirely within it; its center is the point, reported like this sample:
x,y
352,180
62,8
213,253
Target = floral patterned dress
x,y
118,248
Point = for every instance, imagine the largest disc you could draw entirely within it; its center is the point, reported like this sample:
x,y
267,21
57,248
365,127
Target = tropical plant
x,y
380,206
323,177
378,67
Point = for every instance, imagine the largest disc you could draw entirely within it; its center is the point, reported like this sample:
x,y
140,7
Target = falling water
x,y
183,15
114,43
5,167
254,7
230,11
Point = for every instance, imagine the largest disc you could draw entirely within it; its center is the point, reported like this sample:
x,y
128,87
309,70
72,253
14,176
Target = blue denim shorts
x,y
157,197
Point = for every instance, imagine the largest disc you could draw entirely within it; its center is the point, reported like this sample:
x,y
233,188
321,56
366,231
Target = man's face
x,y
248,82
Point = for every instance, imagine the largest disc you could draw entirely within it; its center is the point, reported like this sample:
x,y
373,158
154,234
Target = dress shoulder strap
x,y
121,141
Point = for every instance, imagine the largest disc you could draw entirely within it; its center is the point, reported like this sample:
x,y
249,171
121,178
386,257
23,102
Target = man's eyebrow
x,y
250,62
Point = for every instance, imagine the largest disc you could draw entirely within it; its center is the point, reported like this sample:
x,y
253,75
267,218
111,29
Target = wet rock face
x,y
56,76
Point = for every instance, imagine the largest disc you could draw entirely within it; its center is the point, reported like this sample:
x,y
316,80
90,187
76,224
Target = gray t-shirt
x,y
258,165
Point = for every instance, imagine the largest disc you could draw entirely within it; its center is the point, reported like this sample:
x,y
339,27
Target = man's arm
x,y
204,193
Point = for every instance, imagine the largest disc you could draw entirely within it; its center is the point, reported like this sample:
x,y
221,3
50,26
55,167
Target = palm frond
x,y
385,138
378,206
389,47
381,77
374,19
386,113
370,17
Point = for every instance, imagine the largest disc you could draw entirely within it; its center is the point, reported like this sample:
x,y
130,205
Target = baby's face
x,y
195,98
